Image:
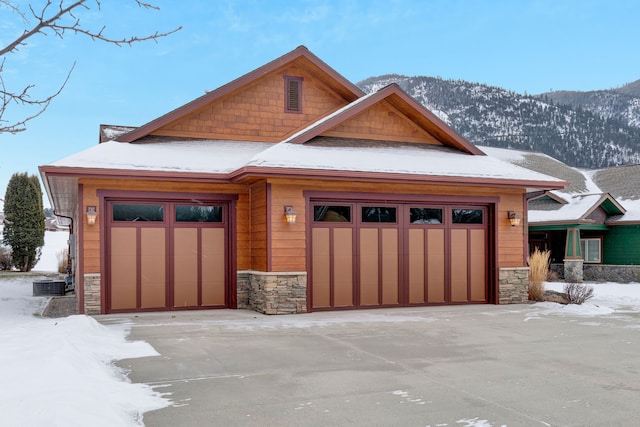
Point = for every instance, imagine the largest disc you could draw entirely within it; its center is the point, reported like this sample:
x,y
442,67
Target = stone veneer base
x,y
573,270
273,292
513,285
92,293
286,292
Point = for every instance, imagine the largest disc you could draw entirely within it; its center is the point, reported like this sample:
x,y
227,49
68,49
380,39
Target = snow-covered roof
x,y
619,187
437,154
392,158
225,157
579,181
579,206
197,156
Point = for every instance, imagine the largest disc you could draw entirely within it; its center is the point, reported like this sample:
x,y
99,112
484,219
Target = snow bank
x,y
60,372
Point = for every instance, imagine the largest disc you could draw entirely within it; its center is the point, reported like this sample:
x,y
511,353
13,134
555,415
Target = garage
x,y
165,255
381,254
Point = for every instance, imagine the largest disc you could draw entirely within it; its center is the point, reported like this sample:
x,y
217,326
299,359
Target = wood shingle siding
x,y
257,112
395,127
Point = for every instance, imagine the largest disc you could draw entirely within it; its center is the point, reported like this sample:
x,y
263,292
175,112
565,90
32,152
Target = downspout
x,y
69,279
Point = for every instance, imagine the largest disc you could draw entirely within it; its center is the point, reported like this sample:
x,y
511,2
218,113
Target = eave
x,y
563,225
333,175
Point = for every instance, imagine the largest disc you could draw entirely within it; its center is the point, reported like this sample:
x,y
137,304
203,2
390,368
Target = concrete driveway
x,y
479,365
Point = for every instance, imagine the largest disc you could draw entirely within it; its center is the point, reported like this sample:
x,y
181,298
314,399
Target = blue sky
x,y
524,45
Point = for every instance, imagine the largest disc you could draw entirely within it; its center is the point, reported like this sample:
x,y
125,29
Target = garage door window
x,y
198,213
135,213
378,214
467,216
425,216
332,213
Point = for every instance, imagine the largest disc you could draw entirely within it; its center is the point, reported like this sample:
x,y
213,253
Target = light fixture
x,y
92,214
290,215
514,219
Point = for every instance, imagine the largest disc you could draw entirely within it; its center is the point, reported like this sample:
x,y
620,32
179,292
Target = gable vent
x,y
293,94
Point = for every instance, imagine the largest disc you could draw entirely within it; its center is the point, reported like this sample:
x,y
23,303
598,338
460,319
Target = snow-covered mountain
x,y
492,116
621,103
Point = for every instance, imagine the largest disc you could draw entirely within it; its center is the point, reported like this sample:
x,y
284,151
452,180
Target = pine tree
x,y
24,220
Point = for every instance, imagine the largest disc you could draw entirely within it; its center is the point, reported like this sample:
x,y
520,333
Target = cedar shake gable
x,y
389,114
252,107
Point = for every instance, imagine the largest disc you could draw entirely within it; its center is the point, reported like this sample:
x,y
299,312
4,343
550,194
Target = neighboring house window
x,y
293,94
591,250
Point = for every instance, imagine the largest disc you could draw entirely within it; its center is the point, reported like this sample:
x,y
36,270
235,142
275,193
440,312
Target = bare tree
x,y
60,19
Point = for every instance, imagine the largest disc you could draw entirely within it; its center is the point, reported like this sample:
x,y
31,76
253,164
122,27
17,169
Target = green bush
x,y
24,220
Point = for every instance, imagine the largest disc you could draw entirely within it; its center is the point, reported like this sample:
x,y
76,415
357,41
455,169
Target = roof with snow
x,y
615,190
425,149
227,159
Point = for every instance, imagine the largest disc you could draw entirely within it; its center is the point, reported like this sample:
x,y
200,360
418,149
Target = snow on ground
x,y
61,372
55,245
608,299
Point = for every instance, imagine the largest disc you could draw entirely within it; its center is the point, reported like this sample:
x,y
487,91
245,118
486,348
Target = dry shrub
x,y
553,276
577,293
63,260
538,271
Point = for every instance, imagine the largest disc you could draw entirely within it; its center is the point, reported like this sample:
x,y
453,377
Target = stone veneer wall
x,y
275,293
611,273
243,285
513,285
92,293
573,270
286,293
268,293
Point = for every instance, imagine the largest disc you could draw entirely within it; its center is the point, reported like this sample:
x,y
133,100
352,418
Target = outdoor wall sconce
x,y
290,215
92,214
514,219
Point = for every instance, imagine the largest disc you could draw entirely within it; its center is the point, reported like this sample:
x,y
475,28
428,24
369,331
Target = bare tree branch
x,y
54,20
23,98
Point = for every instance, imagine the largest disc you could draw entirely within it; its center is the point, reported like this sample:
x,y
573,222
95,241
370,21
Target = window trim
x,y
287,94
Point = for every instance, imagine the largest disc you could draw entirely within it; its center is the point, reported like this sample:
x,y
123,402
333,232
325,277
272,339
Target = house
x,y
592,226
290,190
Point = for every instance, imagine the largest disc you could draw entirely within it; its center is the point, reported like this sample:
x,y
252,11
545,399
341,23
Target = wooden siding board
x,y
510,240
258,226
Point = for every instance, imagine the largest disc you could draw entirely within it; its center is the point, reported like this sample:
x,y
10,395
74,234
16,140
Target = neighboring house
x,y
289,190
592,226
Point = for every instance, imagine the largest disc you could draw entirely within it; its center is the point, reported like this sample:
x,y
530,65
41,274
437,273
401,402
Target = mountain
x,y
584,137
622,103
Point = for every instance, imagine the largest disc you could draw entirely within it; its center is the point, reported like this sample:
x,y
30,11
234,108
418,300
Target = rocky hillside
x,y
621,103
575,132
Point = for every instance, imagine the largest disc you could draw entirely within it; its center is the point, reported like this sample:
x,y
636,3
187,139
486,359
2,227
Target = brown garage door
x,y
166,255
383,255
